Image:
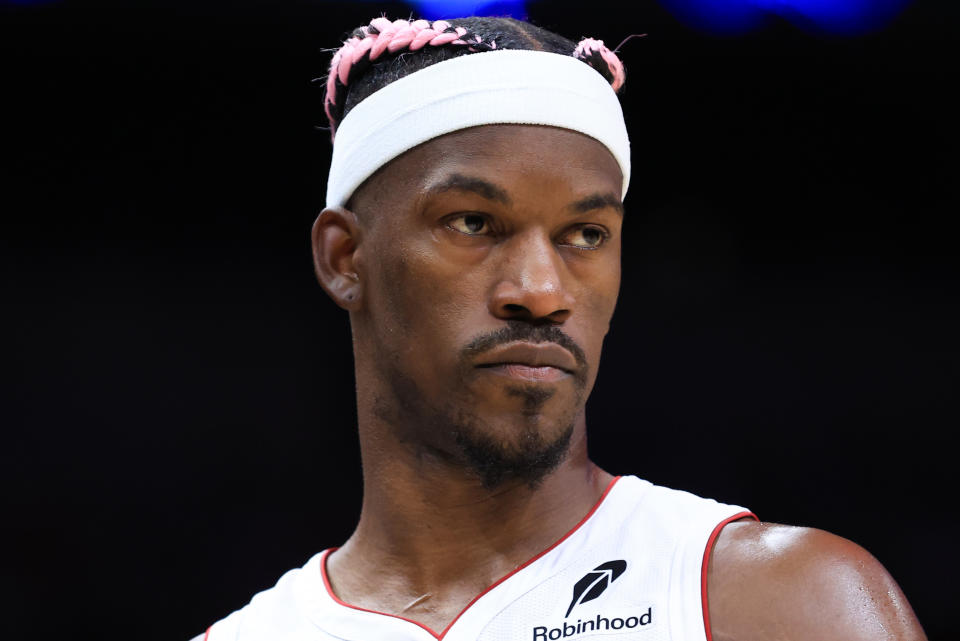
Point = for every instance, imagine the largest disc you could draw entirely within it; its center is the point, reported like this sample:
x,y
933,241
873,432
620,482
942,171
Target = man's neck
x,y
426,529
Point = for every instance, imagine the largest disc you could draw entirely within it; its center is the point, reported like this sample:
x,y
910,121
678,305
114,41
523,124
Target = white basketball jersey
x,y
633,569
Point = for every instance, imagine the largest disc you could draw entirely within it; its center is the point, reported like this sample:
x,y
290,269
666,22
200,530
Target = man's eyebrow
x,y
598,201
478,186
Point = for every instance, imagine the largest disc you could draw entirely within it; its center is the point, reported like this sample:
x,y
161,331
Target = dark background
x,y
178,412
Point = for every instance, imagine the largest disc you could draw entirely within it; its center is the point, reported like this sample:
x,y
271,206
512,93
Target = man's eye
x,y
585,237
472,224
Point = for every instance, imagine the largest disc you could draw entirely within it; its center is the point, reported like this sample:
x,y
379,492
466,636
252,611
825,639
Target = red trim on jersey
x,y
207,634
706,563
439,637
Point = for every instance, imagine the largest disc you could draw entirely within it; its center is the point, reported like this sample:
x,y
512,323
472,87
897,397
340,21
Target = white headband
x,y
495,87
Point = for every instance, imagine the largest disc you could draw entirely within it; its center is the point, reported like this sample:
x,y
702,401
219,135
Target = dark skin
x,y
519,226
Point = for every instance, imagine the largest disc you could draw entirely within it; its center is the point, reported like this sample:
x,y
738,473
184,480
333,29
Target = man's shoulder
x,y
767,580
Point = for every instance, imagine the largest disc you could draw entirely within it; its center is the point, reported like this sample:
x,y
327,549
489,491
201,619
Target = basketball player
x,y
472,232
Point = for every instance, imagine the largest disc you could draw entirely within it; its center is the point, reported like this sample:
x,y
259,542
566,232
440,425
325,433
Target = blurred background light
x,y
840,17
437,9
729,17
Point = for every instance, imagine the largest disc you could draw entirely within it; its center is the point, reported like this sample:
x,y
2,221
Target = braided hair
x,y
384,51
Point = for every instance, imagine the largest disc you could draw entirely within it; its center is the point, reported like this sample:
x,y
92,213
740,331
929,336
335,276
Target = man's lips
x,y
517,371
536,362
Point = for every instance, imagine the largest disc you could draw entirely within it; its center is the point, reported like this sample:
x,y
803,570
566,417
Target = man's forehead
x,y
490,190
494,151
489,159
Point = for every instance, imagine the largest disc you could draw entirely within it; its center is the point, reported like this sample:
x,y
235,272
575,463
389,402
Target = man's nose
x,y
531,282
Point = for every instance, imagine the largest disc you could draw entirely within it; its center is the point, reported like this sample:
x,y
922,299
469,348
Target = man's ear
x,y
335,238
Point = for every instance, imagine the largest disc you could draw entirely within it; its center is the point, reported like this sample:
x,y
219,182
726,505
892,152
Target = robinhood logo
x,y
595,583
591,586
543,633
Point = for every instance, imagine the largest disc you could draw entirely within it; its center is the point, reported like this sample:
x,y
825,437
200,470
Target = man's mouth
x,y
529,373
531,362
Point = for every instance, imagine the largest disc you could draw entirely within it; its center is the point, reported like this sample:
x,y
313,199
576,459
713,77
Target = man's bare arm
x,y
769,582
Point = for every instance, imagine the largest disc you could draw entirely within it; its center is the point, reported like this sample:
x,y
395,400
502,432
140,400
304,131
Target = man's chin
x,y
527,452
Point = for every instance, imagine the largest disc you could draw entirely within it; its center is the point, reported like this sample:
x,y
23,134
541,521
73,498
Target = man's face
x,y
490,260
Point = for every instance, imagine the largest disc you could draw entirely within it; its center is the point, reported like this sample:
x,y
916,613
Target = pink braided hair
x,y
589,49
381,36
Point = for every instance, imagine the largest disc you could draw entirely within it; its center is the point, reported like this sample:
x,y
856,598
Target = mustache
x,y
523,331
